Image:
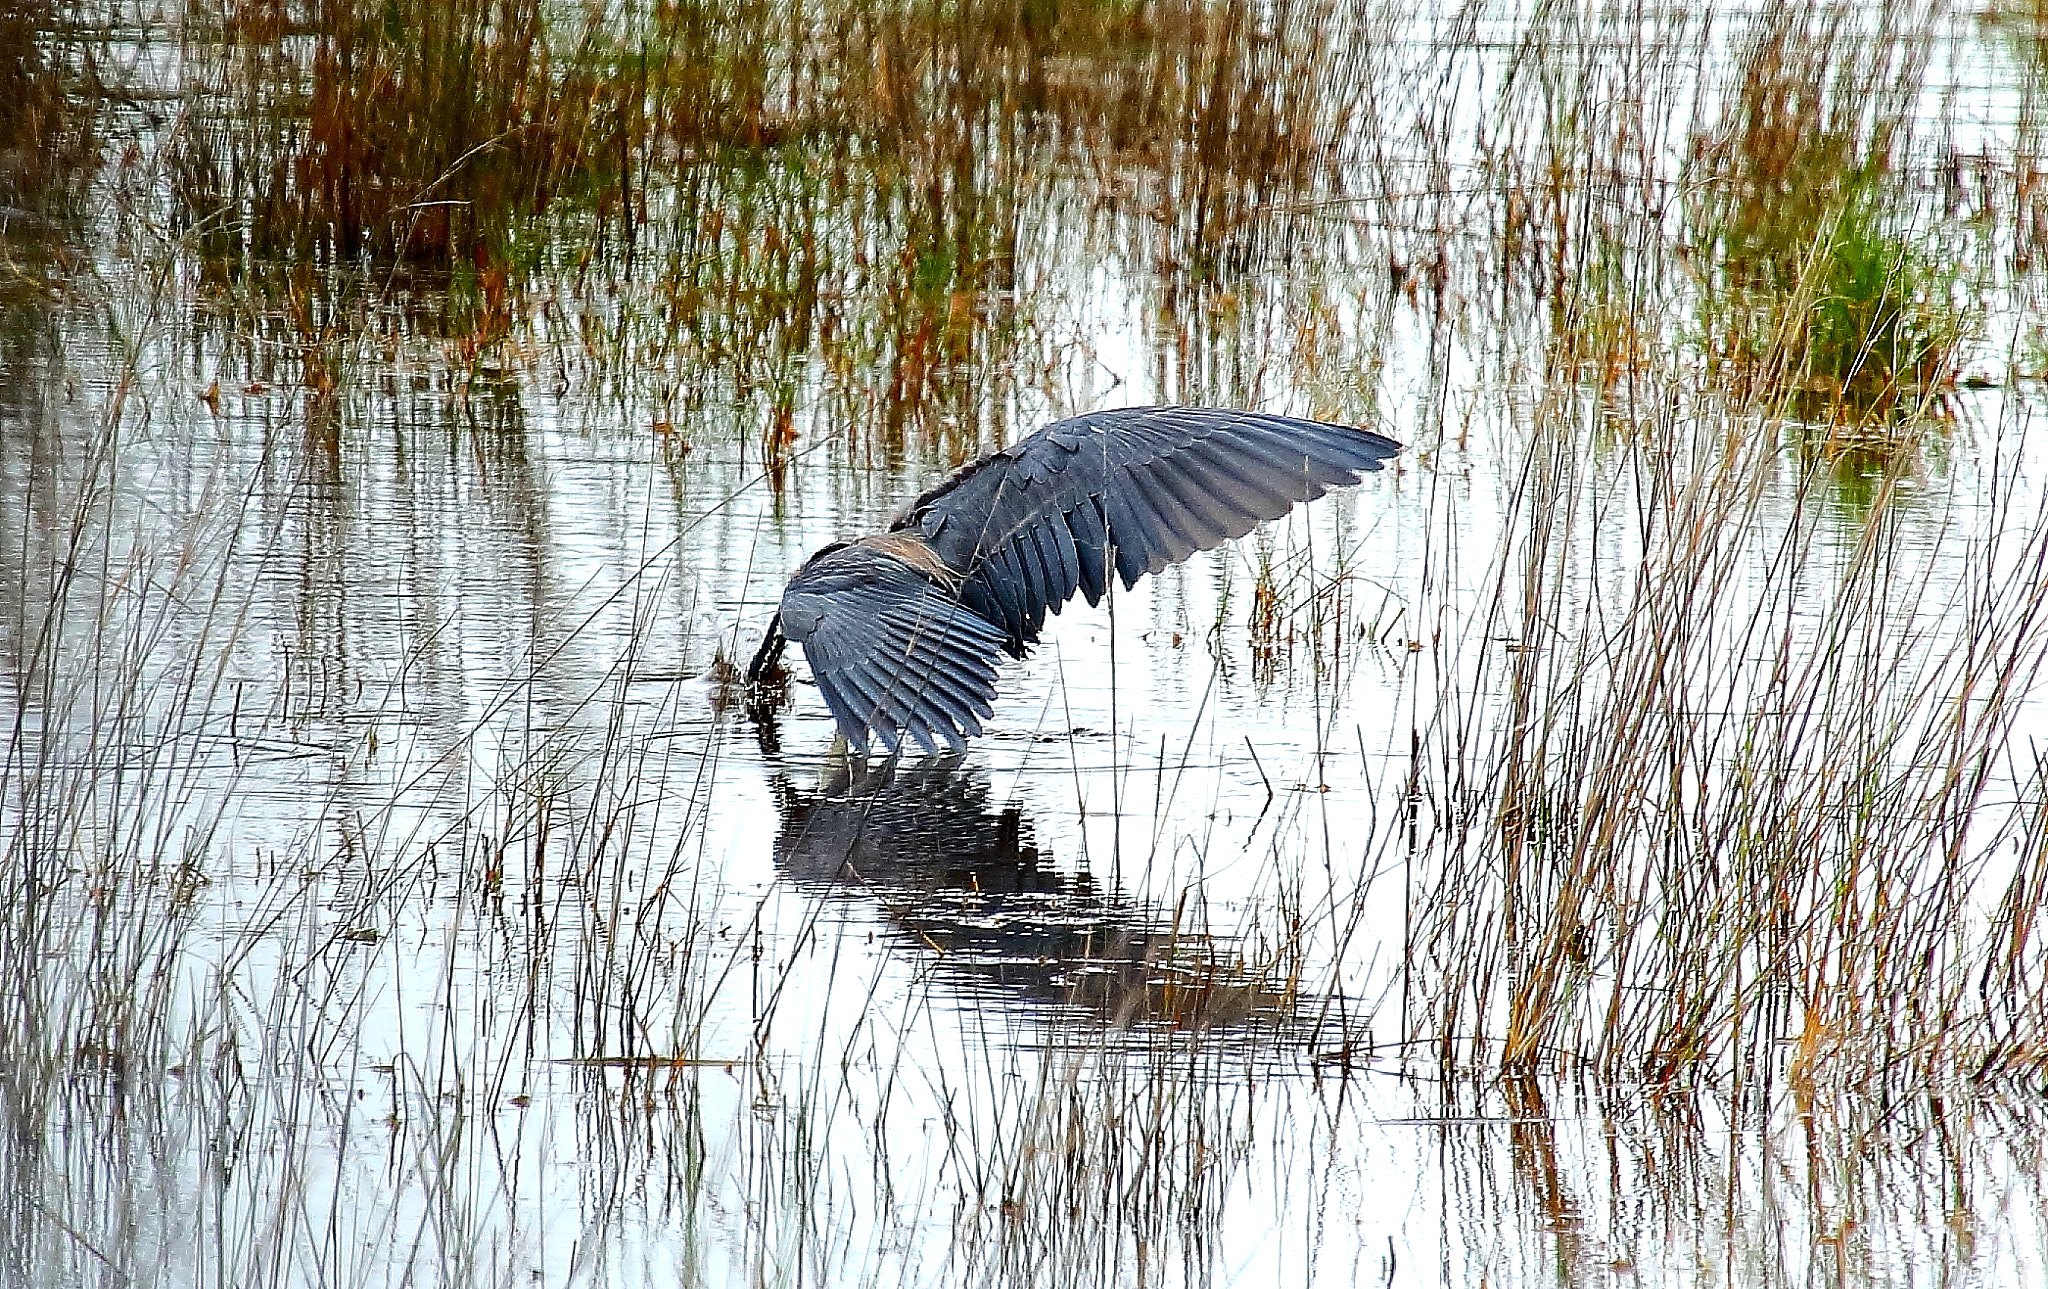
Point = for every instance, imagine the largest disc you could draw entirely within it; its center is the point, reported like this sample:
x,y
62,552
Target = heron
x,y
904,629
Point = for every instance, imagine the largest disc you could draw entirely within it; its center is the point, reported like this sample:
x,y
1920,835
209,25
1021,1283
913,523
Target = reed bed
x,y
1762,780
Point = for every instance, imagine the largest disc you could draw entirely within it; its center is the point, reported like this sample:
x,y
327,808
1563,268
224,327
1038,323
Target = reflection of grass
x,y
846,189
437,131
2023,27
402,128
48,132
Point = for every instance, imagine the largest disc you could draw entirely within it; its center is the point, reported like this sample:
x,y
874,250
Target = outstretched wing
x,y
893,655
1143,487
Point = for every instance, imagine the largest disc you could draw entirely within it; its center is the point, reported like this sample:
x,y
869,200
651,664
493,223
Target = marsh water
x,y
1605,847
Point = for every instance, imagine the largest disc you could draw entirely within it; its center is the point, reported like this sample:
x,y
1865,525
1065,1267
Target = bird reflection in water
x,y
963,879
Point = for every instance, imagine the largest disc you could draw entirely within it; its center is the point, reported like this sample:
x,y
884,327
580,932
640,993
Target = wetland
x,y
1608,846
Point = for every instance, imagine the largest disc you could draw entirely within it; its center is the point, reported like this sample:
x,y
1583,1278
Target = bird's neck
x,y
911,549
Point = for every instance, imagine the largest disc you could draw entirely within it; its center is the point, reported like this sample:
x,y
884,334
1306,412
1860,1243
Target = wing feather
x,y
1203,514
1256,491
1059,538
1091,547
1035,522
1047,565
1010,585
1162,543
1033,582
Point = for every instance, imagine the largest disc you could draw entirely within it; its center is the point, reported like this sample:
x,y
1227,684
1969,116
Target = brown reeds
x,y
1729,811
427,132
49,118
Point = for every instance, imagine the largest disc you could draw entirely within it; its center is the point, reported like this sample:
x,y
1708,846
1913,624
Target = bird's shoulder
x,y
891,559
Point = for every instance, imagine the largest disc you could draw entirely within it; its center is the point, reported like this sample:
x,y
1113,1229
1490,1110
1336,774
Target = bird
x,y
904,629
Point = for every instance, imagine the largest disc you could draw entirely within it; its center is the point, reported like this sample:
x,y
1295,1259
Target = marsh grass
x,y
427,132
1712,825
198,992
50,127
863,183
1824,285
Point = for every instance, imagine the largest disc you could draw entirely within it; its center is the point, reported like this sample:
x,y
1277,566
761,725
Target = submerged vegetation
x,y
1622,824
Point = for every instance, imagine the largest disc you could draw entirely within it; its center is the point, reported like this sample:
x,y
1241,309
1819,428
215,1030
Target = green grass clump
x,y
1818,290
1864,332
1881,330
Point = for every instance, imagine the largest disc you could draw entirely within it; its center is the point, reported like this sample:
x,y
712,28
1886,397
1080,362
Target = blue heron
x,y
903,629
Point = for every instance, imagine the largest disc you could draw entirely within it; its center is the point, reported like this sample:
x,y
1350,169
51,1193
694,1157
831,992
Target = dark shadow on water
x,y
960,876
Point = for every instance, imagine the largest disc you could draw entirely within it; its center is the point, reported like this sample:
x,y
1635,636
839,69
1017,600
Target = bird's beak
x,y
769,653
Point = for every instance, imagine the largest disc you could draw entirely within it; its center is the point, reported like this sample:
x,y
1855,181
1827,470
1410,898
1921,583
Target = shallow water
x,y
398,897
